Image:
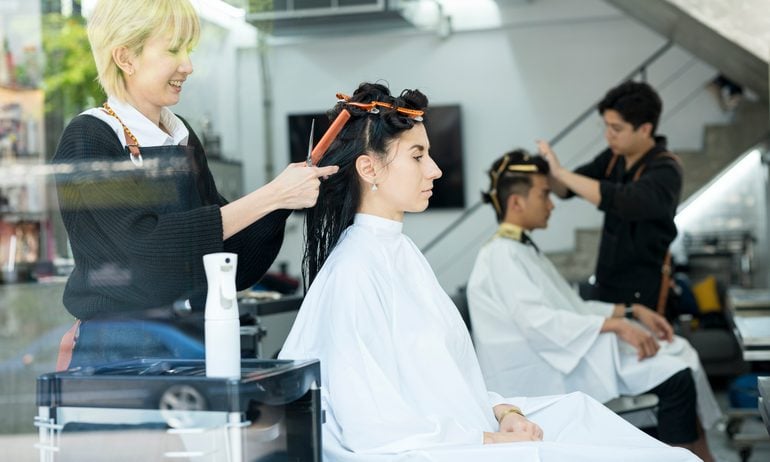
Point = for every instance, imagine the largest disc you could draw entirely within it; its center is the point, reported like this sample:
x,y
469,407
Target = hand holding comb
x,y
331,134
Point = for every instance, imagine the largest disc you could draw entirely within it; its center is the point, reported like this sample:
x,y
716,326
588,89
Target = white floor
x,y
725,450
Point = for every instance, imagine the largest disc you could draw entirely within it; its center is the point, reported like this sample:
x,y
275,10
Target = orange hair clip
x,y
372,107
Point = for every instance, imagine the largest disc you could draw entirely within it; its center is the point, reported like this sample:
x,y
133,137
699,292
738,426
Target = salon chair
x,y
460,299
639,410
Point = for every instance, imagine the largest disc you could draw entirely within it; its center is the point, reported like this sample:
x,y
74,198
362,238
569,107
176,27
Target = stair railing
x,y
639,70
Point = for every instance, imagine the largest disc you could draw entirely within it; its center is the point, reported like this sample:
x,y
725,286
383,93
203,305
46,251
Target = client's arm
x,y
649,318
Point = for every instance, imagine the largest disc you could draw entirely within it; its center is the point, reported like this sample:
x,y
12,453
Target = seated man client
x,y
535,335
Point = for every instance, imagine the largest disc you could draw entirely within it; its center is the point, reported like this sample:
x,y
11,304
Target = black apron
x,y
168,178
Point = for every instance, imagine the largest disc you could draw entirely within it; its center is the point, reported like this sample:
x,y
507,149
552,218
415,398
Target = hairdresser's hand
x,y
653,321
297,186
545,150
556,174
643,341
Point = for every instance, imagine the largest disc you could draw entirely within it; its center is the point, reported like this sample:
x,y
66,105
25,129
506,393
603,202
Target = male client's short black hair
x,y
512,174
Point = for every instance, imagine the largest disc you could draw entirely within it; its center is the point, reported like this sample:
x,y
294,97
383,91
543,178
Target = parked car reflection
x,y
18,373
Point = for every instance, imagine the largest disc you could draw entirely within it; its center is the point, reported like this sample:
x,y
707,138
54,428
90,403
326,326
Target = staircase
x,y
578,265
731,35
721,144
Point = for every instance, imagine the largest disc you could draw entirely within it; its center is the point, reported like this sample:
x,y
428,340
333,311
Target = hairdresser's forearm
x,y
583,186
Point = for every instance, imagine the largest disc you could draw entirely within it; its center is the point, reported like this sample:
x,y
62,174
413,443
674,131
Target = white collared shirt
x,y
145,131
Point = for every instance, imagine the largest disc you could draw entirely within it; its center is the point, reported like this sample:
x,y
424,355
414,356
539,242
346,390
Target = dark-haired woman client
x,y
400,376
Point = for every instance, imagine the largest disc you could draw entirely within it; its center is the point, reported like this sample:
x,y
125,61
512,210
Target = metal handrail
x,y
640,69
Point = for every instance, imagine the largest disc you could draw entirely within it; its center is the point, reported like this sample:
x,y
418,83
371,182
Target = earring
x,y
374,187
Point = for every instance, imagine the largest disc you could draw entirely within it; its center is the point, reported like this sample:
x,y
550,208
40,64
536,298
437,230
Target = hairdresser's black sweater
x,y
138,234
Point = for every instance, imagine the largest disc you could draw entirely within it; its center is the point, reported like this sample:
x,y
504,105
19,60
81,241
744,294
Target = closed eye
x,y
176,51
419,151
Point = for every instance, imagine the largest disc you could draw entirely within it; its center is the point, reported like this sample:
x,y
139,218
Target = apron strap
x,y
665,154
665,284
132,148
66,347
611,165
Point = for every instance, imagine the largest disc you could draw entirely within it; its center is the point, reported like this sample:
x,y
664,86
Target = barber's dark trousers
x,y
677,416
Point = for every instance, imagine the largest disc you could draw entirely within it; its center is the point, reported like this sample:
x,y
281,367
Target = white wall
x,y
527,79
213,92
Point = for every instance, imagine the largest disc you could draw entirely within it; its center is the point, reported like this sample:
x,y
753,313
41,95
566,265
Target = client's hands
x,y
513,427
643,341
515,423
297,186
524,431
653,321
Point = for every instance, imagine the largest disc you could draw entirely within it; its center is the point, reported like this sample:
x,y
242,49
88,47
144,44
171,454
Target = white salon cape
x,y
535,335
400,379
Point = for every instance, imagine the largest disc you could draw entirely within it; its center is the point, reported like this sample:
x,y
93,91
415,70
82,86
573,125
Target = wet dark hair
x,y
512,174
339,197
636,102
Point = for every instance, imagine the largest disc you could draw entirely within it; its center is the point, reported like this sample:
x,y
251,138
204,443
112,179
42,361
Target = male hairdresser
x,y
636,182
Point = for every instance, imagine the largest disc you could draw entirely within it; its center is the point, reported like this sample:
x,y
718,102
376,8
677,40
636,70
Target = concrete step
x,y
578,265
722,144
587,239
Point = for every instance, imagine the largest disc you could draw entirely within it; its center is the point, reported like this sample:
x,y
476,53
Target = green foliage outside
x,y
70,73
261,6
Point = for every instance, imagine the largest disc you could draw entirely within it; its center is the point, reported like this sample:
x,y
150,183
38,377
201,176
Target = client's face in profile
x,y
407,173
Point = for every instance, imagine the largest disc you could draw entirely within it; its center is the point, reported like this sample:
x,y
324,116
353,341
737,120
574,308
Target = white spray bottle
x,y
223,330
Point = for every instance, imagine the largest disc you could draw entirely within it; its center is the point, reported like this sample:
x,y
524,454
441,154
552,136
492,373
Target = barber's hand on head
x,y
297,186
545,150
645,344
653,321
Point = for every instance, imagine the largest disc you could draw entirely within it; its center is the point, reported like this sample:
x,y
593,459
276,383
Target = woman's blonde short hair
x,y
118,23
